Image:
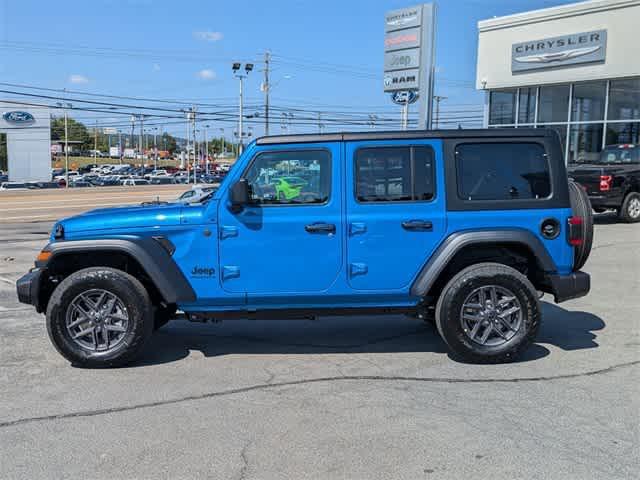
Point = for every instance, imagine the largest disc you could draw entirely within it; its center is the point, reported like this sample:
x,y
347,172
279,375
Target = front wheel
x,y
630,210
488,313
99,317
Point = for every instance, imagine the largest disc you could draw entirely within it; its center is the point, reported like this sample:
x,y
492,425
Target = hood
x,y
125,217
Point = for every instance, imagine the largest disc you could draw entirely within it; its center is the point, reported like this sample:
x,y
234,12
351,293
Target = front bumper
x,y
567,287
28,287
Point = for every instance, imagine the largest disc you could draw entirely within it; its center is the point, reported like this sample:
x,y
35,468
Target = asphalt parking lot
x,y
352,398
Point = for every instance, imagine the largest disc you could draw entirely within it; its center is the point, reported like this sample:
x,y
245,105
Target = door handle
x,y
418,225
320,228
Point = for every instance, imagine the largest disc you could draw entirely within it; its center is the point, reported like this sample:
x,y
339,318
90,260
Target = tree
x,y
77,131
167,142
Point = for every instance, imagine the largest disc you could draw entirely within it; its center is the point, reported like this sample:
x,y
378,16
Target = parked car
x,y
13,186
196,194
163,180
42,185
462,228
134,182
80,184
613,181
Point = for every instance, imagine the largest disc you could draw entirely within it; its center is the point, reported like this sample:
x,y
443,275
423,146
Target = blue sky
x,y
327,54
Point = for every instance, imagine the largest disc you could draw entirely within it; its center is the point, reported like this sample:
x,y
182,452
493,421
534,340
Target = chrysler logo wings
x,y
557,56
18,117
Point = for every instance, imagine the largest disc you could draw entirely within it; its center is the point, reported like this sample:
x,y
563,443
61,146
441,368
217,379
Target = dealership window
x,y
587,103
624,99
390,174
527,105
554,104
502,107
585,142
502,171
618,133
290,178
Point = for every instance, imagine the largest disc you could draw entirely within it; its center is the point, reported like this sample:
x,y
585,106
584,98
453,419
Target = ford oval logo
x,y
18,117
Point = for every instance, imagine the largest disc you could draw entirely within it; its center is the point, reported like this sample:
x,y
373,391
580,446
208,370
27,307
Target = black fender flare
x,y
151,253
459,240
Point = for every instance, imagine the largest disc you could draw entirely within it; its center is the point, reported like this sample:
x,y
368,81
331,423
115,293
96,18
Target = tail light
x,y
575,231
605,182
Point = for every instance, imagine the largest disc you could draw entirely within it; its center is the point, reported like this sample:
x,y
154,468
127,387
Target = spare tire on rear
x,y
581,207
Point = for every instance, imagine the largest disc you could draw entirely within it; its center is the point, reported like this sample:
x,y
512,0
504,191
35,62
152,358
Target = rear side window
x,y
502,171
392,174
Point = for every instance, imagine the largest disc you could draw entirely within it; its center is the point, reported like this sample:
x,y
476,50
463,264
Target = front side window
x,y
392,174
502,171
290,178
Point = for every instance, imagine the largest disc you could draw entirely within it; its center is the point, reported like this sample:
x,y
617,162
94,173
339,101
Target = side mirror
x,y
240,195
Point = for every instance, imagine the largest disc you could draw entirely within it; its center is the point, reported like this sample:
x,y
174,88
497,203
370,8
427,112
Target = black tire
x,y
450,307
162,315
581,207
132,295
629,211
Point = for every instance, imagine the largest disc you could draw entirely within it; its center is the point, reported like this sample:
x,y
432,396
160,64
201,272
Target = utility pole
x,y
236,68
155,148
133,127
224,150
438,99
206,150
193,131
266,87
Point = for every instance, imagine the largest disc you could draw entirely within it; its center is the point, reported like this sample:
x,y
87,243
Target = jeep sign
x,y
577,48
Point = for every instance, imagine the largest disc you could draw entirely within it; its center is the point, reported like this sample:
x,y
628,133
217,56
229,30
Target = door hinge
x,y
230,271
358,269
227,231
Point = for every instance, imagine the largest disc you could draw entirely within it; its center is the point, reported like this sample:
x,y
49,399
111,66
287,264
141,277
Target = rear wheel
x,y
99,317
630,210
488,313
581,207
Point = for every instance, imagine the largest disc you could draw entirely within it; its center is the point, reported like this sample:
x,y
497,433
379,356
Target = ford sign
x,y
18,117
405,96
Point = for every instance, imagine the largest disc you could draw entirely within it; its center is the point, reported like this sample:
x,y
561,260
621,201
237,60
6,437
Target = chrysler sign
x,y
577,48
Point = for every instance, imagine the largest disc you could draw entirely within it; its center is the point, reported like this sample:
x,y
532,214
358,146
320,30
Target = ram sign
x,y
409,53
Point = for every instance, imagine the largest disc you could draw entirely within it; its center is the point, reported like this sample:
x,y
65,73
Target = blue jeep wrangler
x,y
462,228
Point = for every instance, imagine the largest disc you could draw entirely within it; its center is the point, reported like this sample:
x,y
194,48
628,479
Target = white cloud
x,y
208,36
75,78
206,74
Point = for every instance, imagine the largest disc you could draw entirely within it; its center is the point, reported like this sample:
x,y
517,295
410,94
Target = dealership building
x,y
573,68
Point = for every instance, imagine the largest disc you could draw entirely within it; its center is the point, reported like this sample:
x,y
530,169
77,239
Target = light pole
x,y
224,150
438,99
236,68
206,150
120,145
155,148
65,106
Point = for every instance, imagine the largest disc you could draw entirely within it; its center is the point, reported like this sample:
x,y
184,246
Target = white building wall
x,y
28,146
621,19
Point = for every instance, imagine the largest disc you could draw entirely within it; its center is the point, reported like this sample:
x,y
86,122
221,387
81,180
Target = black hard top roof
x,y
406,134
